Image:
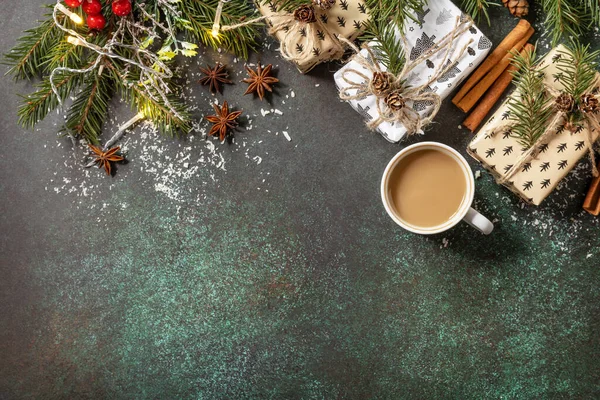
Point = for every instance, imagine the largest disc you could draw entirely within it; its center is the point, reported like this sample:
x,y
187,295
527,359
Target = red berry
x,y
96,21
121,8
73,3
92,7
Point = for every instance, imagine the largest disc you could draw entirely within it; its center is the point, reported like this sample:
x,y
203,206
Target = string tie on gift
x,y
393,94
564,104
305,25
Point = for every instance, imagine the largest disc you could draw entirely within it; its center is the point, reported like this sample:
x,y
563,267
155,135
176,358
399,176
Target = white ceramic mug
x,y
465,211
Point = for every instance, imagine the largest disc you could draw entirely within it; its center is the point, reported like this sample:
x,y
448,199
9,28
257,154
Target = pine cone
x,y
588,103
305,14
564,102
381,83
324,4
395,101
518,8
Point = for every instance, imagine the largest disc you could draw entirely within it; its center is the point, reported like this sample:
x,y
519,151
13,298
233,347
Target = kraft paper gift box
x,y
498,151
436,21
346,18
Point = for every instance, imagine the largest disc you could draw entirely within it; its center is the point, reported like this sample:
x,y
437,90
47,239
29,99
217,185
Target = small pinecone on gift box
x,y
324,4
381,83
564,102
518,8
589,103
305,14
395,101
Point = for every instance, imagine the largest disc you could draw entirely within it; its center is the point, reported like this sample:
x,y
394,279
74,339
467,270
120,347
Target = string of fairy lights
x,y
153,74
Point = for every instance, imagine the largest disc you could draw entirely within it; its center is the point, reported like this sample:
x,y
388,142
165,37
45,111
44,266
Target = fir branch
x,y
150,104
156,111
398,11
201,14
478,8
529,105
565,18
27,56
38,104
62,54
388,46
90,107
577,66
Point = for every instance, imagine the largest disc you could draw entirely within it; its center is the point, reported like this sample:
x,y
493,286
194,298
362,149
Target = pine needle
x,y
37,105
388,47
396,11
577,66
529,105
26,58
87,113
566,18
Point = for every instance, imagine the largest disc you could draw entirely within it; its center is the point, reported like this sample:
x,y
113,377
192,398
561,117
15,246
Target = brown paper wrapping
x,y
538,178
346,18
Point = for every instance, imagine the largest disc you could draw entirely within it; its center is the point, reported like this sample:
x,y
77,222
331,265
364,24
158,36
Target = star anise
x,y
223,120
104,158
260,80
214,76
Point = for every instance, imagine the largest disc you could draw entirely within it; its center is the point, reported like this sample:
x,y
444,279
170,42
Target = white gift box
x,y
437,20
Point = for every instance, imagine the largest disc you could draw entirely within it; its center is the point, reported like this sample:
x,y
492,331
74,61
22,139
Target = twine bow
x,y
562,113
303,23
392,92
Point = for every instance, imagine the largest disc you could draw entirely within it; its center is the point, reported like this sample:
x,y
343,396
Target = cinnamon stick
x,y
503,48
471,98
591,203
492,96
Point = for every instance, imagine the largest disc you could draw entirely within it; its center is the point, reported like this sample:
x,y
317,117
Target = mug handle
x,y
478,221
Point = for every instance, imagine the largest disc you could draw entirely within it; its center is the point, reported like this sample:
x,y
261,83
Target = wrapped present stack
x,y
442,47
309,35
534,177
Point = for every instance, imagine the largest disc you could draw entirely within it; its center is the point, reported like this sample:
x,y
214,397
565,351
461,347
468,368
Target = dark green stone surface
x,y
280,276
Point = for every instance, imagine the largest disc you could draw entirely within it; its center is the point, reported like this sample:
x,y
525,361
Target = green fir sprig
x,y
387,45
577,67
529,106
396,11
28,58
86,114
566,18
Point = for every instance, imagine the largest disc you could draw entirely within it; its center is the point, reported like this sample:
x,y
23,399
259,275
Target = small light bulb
x,y
76,18
217,22
73,40
73,16
215,31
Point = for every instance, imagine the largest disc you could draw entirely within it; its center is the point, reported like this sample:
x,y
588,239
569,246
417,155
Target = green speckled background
x,y
284,278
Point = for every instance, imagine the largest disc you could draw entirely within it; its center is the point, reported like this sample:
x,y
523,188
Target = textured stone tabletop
x,y
268,268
